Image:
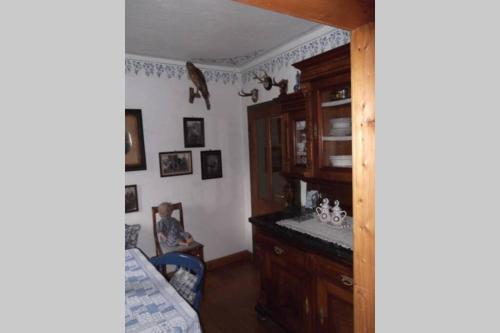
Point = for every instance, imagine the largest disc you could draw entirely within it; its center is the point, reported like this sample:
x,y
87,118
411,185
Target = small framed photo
x,y
176,163
194,132
131,202
211,164
135,155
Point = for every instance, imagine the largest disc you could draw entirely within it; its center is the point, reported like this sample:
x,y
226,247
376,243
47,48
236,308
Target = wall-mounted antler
x,y
268,83
254,93
265,79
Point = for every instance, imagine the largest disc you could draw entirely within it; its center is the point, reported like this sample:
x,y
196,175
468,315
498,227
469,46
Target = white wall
x,y
213,208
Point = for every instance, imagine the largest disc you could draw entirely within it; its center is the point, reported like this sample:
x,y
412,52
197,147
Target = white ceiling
x,y
219,32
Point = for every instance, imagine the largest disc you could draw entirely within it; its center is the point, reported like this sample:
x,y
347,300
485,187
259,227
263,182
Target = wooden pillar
x,y
363,120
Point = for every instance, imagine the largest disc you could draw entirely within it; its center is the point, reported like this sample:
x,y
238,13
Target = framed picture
x,y
135,156
131,202
194,132
211,164
176,163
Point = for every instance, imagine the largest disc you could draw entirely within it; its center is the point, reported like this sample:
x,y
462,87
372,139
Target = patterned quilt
x,y
151,304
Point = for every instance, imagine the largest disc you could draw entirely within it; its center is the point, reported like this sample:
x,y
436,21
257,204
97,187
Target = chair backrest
x,y
188,262
131,235
176,213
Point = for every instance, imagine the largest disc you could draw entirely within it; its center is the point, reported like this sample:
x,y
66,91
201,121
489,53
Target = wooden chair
x,y
194,249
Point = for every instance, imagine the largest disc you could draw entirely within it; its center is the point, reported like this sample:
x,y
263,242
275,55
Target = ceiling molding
x,y
231,62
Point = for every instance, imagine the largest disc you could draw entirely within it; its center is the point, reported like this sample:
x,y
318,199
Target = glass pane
x,y
336,113
277,180
336,133
260,126
276,152
300,142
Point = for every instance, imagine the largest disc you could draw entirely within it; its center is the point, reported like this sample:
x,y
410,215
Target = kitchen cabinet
x,y
320,127
334,297
283,291
335,308
301,290
333,139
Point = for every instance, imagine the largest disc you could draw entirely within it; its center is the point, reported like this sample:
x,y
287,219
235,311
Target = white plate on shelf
x,y
337,138
341,160
340,122
336,102
340,131
341,165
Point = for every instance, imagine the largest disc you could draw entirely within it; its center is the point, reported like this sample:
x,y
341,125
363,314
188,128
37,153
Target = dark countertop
x,y
268,222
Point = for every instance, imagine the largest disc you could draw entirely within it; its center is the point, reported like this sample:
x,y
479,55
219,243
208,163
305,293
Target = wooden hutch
x,y
307,285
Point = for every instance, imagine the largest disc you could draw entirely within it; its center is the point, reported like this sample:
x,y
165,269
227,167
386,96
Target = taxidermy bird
x,y
196,76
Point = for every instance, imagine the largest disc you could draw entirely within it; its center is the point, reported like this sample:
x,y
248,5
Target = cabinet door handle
x,y
346,280
321,316
278,250
307,306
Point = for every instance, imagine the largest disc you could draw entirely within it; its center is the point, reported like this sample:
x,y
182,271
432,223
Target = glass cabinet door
x,y
261,152
335,128
277,147
300,142
267,148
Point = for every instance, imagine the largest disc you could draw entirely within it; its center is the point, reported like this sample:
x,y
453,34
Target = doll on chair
x,y
169,228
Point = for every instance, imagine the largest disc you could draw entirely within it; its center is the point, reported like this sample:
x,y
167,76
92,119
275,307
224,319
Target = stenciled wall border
x,y
170,71
311,48
327,41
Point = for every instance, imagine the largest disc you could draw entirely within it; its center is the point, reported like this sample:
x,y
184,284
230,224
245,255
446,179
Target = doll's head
x,y
165,209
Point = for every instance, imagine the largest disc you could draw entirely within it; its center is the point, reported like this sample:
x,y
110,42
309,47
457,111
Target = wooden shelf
x,y
337,138
336,103
331,167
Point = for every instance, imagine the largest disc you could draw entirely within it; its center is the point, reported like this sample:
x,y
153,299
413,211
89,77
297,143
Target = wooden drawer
x,y
281,252
338,274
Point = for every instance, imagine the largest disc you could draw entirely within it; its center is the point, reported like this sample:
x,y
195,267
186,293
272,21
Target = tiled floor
x,y
229,299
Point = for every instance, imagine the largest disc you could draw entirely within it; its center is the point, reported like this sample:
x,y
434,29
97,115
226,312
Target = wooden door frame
x,y
358,16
